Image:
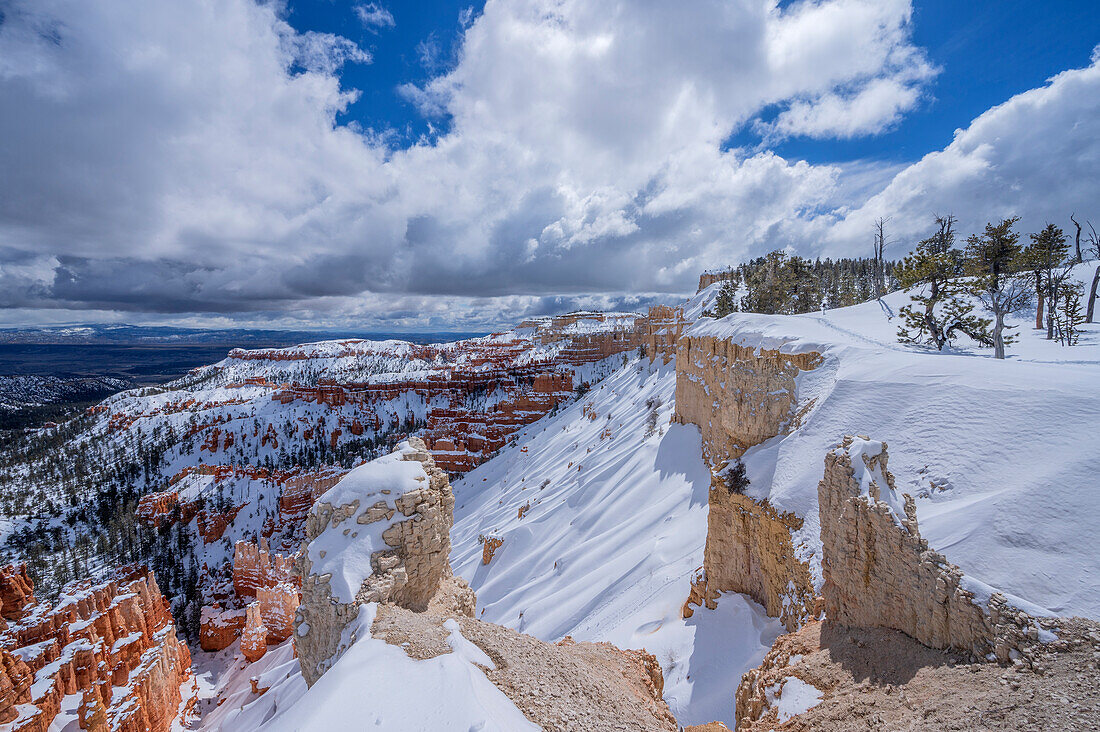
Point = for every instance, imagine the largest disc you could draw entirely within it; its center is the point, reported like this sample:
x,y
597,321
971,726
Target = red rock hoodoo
x,y
114,643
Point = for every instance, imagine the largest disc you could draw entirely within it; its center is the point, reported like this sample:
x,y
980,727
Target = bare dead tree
x,y
1077,239
880,256
1094,245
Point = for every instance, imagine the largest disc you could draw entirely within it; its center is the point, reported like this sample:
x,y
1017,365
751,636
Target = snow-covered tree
x,y
726,302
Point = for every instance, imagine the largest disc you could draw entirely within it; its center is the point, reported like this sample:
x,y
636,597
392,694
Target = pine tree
x,y
1067,315
1047,258
993,259
736,479
939,311
726,302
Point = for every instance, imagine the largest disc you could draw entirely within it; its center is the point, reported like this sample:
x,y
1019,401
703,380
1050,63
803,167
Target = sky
x,y
438,165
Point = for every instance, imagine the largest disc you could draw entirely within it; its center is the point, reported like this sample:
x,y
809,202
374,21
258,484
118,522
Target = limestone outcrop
x,y
711,276
380,535
749,550
16,592
254,635
740,397
893,608
879,572
219,627
255,567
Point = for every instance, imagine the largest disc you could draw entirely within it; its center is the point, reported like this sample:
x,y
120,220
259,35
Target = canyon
x,y
584,522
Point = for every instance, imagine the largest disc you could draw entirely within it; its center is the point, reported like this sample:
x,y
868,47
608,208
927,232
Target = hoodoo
x,y
114,643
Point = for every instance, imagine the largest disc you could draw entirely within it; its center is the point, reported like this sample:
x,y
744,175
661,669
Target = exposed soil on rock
x,y
589,687
874,679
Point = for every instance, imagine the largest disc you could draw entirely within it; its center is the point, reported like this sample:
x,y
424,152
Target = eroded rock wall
x,y
749,550
740,397
879,572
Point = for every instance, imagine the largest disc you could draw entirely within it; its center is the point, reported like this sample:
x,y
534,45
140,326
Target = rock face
x,y
113,642
709,277
254,567
879,572
661,331
16,592
382,535
892,608
218,628
254,635
740,397
749,550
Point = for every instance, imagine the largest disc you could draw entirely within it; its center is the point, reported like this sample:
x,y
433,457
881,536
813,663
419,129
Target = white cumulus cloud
x,y
190,159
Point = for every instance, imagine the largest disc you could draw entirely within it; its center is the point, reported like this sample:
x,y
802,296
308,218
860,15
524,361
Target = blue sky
x,y
455,165
986,50
423,41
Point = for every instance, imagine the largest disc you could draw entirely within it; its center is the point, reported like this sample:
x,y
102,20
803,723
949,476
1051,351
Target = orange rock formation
x,y
112,642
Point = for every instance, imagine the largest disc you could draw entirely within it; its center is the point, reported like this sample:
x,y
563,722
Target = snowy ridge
x,y
18,392
449,691
996,453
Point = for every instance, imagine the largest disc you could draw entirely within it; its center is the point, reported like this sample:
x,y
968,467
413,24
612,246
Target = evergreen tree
x,y
736,478
1067,315
993,259
1047,257
726,302
939,309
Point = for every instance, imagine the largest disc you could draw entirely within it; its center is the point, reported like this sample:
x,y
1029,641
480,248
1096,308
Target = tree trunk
x,y
1092,295
1051,305
1077,241
1039,314
998,336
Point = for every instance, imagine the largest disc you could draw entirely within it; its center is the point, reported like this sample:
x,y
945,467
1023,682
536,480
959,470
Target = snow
x,y
793,697
859,452
997,454
615,531
28,390
464,649
373,683
346,556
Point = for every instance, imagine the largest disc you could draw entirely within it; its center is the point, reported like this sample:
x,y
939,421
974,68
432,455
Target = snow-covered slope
x,y
17,392
1000,455
613,519
614,530
373,685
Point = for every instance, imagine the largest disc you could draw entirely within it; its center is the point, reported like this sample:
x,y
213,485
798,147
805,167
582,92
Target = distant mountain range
x,y
99,334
